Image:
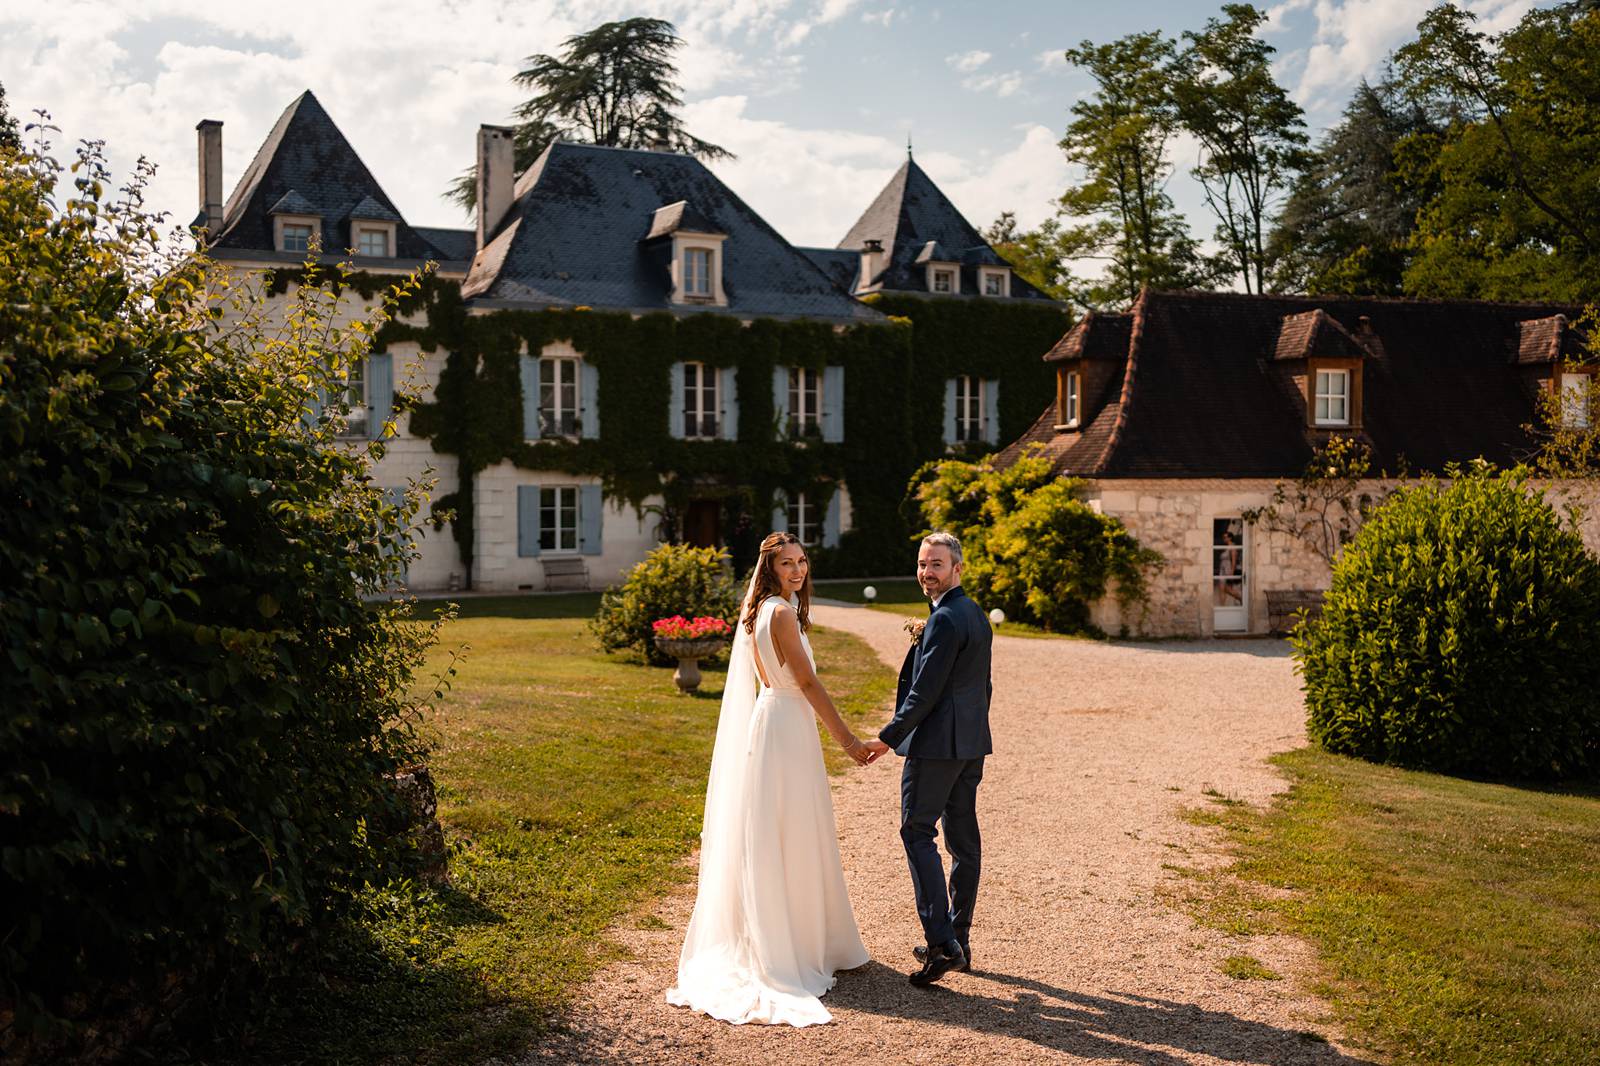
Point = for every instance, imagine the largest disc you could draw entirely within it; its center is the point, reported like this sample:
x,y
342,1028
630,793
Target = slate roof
x,y
578,234
307,164
840,264
1201,393
908,215
454,244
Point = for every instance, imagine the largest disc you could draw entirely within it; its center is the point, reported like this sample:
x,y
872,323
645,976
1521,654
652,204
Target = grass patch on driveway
x,y
1458,921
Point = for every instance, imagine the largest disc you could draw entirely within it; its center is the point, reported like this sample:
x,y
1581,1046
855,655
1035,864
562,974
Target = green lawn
x,y
1458,921
571,788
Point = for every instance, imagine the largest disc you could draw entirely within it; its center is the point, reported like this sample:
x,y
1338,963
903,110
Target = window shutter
x,y
950,411
780,399
530,397
991,411
728,393
591,519
589,399
780,514
380,386
527,521
830,521
833,404
675,412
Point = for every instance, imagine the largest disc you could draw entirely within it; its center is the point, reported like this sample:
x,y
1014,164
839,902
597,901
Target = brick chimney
x,y
496,178
210,137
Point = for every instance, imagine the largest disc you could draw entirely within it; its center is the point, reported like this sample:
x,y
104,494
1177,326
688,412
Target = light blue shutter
x,y
728,393
589,400
780,398
380,386
527,520
591,519
780,514
675,412
991,411
530,397
833,404
950,411
830,521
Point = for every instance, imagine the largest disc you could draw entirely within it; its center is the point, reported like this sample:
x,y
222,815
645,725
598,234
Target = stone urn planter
x,y
689,652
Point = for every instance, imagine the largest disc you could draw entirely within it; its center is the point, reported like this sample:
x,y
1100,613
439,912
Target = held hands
x,y
857,751
876,749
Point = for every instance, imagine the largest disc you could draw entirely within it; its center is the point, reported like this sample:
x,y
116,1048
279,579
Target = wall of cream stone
x,y
1174,517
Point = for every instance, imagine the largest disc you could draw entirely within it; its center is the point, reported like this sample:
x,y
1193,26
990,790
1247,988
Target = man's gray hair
x,y
947,541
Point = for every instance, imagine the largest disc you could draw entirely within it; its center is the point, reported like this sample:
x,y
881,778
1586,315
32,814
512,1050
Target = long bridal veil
x,y
720,835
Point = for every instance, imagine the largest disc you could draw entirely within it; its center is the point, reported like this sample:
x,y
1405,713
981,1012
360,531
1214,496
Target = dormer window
x,y
1575,401
944,280
994,281
697,272
372,241
1333,398
296,237
1071,402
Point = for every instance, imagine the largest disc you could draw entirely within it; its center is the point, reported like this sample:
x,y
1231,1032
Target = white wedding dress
x,y
772,920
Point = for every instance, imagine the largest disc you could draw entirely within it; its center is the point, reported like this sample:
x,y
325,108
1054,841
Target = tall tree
x,y
1119,135
1036,255
1347,226
1252,136
1516,214
9,137
613,85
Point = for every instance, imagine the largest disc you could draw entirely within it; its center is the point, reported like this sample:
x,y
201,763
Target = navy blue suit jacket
x,y
943,706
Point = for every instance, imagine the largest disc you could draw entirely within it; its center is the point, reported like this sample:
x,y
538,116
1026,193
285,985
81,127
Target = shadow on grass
x,y
554,605
1105,1026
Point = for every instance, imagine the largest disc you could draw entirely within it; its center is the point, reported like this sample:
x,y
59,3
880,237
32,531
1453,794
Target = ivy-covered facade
x,y
631,354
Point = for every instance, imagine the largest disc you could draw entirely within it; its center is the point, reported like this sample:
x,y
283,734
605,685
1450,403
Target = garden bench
x,y
1284,604
569,573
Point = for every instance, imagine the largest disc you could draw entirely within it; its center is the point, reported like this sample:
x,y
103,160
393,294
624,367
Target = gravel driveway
x,y
1078,958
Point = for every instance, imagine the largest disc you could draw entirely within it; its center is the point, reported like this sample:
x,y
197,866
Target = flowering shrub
x,y
678,627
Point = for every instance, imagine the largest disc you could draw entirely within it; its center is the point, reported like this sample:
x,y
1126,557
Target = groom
x,y
941,726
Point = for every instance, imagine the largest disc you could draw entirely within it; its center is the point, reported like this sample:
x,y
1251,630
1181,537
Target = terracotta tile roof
x,y
1097,335
1548,340
1206,388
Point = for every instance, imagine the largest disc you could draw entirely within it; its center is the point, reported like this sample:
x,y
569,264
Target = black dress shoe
x,y
940,960
921,952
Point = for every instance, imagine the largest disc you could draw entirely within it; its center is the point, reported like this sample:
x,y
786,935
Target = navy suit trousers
x,y
931,791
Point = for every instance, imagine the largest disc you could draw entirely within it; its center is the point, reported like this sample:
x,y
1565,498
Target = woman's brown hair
x,y
766,582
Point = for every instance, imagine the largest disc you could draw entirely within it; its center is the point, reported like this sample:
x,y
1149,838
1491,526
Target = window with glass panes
x,y
1071,398
994,283
355,386
558,397
372,241
700,417
805,402
558,519
1575,401
697,271
944,280
296,237
805,519
1333,397
969,408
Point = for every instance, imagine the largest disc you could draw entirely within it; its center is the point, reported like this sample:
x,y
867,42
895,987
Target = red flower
x,y
705,627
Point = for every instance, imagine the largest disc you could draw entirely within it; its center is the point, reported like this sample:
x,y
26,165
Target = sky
x,y
815,97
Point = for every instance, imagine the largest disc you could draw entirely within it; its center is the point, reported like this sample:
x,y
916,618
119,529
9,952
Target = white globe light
x,y
870,592
997,616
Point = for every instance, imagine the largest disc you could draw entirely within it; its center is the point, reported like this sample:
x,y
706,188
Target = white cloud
x,y
966,62
1026,179
1052,59
882,18
1002,85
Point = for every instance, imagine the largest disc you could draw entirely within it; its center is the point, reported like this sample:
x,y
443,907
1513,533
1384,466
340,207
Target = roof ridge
x,y
1125,398
1434,301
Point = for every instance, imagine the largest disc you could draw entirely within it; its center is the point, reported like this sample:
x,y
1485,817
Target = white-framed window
x,y
701,420
994,281
297,236
1575,401
356,395
558,518
969,408
697,271
944,280
1333,398
1070,399
805,402
558,397
372,241
805,519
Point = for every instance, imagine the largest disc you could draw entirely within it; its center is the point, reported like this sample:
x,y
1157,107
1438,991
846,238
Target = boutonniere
x,y
915,626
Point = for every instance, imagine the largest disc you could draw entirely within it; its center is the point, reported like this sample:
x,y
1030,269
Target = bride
x,y
772,920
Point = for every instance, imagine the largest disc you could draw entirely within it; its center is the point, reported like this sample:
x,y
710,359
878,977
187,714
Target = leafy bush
x,y
674,579
198,708
1460,635
1032,546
